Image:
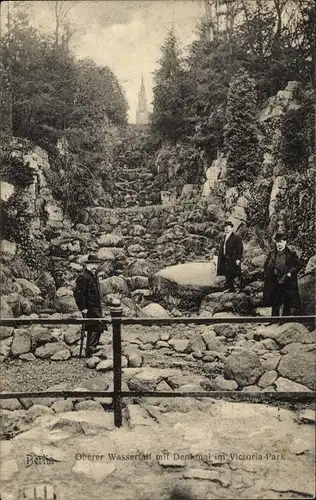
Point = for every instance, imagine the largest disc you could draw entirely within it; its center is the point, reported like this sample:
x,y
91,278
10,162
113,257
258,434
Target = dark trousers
x,y
280,298
230,276
93,338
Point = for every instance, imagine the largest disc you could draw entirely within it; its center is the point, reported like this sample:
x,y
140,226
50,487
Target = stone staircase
x,y
134,177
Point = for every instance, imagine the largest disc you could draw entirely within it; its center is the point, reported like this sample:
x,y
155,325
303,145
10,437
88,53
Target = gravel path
x,y
40,374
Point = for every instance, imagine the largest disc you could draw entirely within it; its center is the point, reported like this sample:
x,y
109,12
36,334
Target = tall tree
x,y
170,92
241,131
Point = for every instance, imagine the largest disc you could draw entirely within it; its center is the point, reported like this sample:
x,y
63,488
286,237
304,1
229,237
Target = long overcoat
x,y
226,264
87,295
290,285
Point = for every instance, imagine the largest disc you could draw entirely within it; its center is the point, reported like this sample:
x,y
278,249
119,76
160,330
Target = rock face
x,y
238,303
307,287
244,367
185,282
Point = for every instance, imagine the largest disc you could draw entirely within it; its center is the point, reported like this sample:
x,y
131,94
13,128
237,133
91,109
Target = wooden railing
x,y
117,394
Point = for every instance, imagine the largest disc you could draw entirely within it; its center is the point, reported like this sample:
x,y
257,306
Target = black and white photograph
x,y
158,257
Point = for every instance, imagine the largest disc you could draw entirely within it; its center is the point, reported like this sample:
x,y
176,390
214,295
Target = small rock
x,y
179,345
268,378
21,342
105,365
163,387
61,355
134,360
88,405
270,360
10,404
160,344
62,405
92,362
221,384
38,410
72,334
165,336
29,356
251,388
285,385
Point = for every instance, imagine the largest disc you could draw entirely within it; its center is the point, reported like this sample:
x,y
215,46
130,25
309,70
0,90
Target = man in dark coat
x,y
87,295
229,258
280,278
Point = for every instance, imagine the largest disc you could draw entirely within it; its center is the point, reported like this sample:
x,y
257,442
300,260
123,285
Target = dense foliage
x,y
299,205
258,204
273,41
297,141
55,96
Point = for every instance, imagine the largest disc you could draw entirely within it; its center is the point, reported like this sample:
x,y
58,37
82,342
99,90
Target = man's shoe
x,y
229,290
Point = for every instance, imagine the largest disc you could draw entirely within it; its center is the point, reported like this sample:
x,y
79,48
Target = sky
x,y
125,35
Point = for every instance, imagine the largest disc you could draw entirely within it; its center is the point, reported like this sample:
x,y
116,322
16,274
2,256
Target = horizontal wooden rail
x,y
158,321
285,396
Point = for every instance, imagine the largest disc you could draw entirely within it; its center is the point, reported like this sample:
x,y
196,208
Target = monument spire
x,y
142,113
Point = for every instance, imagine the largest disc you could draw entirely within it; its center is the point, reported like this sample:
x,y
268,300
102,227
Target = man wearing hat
x,y
280,278
87,295
229,257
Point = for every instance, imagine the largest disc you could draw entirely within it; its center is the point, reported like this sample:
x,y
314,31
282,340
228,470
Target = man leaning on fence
x,y
87,294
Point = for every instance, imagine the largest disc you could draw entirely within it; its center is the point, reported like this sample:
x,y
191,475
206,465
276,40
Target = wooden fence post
x,y
116,315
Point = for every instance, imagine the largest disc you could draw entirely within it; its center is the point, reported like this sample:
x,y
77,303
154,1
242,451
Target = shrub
x,y
258,205
241,130
299,206
297,142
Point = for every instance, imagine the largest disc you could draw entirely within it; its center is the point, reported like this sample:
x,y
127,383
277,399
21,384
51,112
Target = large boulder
x,y
244,367
105,254
29,289
18,304
155,311
138,267
238,303
299,367
286,334
307,287
187,282
46,284
114,285
110,240
65,301
48,350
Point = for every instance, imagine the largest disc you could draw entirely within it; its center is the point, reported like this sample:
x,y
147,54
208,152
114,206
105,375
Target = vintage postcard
x,y
157,322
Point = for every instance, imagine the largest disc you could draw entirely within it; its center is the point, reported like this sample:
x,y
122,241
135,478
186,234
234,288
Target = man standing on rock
x,y
280,278
229,258
87,295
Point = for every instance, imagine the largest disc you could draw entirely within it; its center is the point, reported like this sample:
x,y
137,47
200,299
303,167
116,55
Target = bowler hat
x,y
93,259
228,223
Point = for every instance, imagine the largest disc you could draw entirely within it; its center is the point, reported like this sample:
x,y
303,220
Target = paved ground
x,y
230,450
